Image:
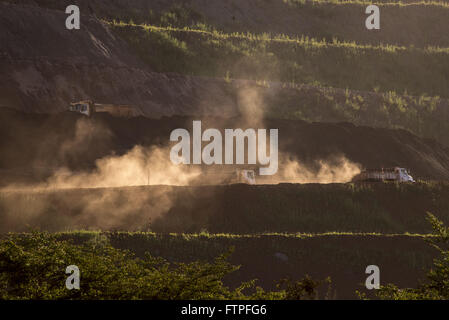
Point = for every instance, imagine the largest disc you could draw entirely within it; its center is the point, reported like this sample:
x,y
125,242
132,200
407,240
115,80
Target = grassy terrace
x,y
282,58
303,41
343,257
410,22
55,4
111,272
204,246
400,3
323,70
165,266
408,85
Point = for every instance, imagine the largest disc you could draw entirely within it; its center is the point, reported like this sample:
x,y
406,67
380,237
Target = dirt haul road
x,y
34,146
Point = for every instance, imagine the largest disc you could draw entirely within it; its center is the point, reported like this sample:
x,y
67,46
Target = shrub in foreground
x,y
32,266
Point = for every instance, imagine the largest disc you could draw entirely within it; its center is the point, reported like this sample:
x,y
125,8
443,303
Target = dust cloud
x,y
334,169
107,197
128,191
251,107
139,166
338,169
74,148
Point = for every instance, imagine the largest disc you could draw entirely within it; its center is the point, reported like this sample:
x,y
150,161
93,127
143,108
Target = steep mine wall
x,y
45,67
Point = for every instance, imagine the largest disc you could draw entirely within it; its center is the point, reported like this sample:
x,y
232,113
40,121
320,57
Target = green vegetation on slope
x,y
33,266
401,77
410,22
299,60
327,47
437,285
124,265
424,116
442,3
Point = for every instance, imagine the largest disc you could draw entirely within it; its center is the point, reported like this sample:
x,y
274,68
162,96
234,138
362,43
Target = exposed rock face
x,y
45,67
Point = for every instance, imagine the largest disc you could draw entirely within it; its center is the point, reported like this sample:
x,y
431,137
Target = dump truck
x,y
384,174
88,108
246,176
231,175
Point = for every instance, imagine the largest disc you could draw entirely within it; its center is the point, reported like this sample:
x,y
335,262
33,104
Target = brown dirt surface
x,y
38,142
45,67
418,24
401,259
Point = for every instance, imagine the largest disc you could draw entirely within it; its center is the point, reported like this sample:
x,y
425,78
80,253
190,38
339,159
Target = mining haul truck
x,y
213,175
240,176
245,176
88,108
384,174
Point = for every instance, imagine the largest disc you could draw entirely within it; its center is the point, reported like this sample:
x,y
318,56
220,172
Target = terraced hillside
x,y
406,22
381,81
403,259
343,98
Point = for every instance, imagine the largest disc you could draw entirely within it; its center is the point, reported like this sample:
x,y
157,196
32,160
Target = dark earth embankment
x,y
269,258
33,146
238,208
406,22
194,72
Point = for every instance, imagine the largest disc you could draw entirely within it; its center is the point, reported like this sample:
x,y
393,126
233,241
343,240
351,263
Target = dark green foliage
x,y
32,266
437,285
306,289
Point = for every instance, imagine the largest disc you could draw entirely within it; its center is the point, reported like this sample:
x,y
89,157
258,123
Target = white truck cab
x,y
403,175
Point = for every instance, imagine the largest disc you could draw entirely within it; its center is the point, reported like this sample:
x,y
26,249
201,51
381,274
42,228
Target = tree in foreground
x,y
437,285
32,266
